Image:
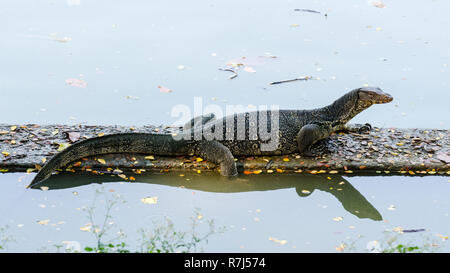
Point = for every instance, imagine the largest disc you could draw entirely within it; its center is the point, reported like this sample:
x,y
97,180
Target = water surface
x,y
121,51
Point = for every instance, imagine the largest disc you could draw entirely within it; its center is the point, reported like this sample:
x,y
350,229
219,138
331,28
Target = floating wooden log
x,y
380,151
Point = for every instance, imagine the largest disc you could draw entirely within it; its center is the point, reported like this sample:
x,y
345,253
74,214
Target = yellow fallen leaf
x,y
275,240
14,127
199,159
150,157
149,200
101,160
63,146
43,159
5,153
56,131
43,222
100,134
86,228
338,219
286,159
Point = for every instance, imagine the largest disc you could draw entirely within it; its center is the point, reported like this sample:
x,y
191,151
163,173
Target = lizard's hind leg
x,y
216,152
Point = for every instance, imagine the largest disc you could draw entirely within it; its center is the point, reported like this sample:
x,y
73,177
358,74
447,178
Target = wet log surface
x,y
380,151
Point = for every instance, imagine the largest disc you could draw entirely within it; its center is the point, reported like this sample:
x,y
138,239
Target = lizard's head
x,y
373,95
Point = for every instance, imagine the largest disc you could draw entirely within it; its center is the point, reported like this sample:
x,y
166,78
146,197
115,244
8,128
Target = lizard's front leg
x,y
216,152
308,135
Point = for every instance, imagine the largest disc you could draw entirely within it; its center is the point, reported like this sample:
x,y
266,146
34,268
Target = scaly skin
x,y
297,130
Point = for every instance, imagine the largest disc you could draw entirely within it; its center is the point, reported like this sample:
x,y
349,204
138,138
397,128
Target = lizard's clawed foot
x,y
365,128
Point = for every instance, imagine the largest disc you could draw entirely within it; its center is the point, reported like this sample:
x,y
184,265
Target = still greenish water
x,y
121,51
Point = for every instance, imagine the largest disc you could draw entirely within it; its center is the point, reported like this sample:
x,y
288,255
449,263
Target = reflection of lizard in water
x,y
350,198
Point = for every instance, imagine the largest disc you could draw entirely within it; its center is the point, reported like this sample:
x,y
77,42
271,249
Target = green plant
x,y
4,238
164,238
100,231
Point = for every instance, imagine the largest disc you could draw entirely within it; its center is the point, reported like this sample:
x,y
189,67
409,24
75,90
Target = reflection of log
x,y
383,150
304,185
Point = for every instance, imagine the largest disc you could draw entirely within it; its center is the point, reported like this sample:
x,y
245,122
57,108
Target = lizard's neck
x,y
344,109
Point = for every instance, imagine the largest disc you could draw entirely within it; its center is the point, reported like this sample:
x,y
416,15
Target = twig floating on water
x,y
292,80
414,230
307,10
230,70
311,11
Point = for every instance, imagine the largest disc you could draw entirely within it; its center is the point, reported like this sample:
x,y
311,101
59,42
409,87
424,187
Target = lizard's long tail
x,y
157,144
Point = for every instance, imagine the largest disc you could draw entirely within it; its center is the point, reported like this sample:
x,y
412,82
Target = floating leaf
x,y
164,89
275,240
76,83
150,157
249,69
149,200
391,207
5,153
378,4
86,228
43,222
